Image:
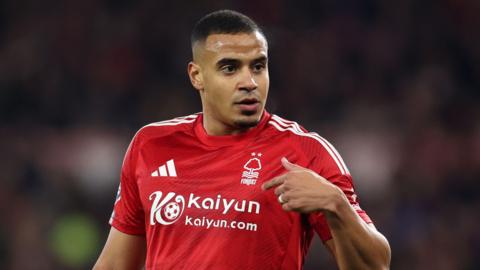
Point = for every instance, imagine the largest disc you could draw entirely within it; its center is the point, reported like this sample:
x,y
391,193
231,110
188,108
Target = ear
x,y
194,72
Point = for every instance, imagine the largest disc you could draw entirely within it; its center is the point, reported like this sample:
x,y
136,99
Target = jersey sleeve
x,y
128,215
329,164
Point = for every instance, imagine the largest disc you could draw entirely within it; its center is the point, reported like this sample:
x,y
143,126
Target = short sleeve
x,y
329,164
128,215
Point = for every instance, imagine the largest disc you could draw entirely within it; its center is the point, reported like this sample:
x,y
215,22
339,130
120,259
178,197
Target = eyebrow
x,y
227,61
233,61
261,59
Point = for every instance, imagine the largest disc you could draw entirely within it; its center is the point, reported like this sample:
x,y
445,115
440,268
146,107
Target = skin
x,y
228,69
122,252
355,244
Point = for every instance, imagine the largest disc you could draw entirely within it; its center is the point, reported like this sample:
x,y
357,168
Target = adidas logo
x,y
166,170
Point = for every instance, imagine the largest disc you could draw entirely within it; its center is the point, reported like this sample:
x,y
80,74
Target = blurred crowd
x,y
394,85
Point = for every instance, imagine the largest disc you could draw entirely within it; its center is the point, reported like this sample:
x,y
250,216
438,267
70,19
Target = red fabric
x,y
207,210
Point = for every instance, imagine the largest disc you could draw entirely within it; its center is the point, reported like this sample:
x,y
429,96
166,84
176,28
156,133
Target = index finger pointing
x,y
278,180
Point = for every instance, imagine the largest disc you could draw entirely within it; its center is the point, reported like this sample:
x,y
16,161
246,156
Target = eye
x,y
228,69
258,67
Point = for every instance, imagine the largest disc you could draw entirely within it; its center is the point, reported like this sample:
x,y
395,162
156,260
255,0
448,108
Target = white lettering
x,y
209,223
210,203
223,224
217,205
241,225
237,208
227,205
193,200
157,206
248,181
251,227
250,206
219,223
168,209
188,221
197,222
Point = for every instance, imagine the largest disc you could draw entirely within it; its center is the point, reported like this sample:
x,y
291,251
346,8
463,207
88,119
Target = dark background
x,y
394,85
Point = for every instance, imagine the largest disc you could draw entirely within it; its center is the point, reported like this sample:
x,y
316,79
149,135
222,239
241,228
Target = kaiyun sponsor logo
x,y
168,209
220,223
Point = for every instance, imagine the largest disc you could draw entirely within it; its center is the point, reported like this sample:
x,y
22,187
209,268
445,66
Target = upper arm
x,y
330,244
128,215
328,163
122,251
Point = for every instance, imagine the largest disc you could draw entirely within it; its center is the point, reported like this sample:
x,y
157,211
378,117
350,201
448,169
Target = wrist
x,y
338,204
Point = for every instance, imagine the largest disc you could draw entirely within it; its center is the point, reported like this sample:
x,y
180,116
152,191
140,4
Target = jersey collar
x,y
228,140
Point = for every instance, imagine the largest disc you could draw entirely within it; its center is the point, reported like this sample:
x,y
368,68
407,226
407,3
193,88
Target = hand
x,y
302,190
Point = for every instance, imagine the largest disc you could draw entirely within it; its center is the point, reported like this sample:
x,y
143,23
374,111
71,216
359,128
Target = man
x,y
235,187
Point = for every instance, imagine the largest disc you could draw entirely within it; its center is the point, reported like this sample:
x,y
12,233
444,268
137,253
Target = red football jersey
x,y
198,199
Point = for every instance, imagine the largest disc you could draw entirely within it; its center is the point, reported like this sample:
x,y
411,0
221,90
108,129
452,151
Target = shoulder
x,y
310,143
295,133
293,130
287,126
165,128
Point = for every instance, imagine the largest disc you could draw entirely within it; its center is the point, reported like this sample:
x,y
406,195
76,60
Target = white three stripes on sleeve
x,y
166,170
285,125
171,168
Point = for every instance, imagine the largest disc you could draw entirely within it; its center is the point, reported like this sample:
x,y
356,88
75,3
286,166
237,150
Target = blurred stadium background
x,y
393,84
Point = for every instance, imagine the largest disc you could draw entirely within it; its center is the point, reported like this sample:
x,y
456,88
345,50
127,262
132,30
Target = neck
x,y
215,127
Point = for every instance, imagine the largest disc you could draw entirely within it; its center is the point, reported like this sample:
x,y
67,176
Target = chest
x,y
186,168
217,184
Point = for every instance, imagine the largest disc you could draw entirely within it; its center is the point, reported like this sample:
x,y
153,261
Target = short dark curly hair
x,y
223,22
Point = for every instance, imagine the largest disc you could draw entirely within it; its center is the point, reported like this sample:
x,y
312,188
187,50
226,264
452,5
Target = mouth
x,y
248,104
247,101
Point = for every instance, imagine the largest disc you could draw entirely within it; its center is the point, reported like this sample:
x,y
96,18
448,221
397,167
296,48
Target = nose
x,y
247,81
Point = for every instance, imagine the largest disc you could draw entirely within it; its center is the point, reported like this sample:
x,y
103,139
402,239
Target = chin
x,y
248,120
245,124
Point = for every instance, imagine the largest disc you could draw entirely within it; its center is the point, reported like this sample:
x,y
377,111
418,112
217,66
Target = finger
x,y
285,197
291,166
274,182
291,204
287,207
280,189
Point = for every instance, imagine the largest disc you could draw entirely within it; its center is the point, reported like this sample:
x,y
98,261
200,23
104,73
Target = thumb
x,y
290,166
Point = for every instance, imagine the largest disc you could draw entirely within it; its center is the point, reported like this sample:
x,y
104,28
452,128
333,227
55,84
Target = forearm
x,y
122,251
357,244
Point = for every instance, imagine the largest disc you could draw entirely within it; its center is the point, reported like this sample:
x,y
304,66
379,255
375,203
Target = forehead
x,y
235,45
